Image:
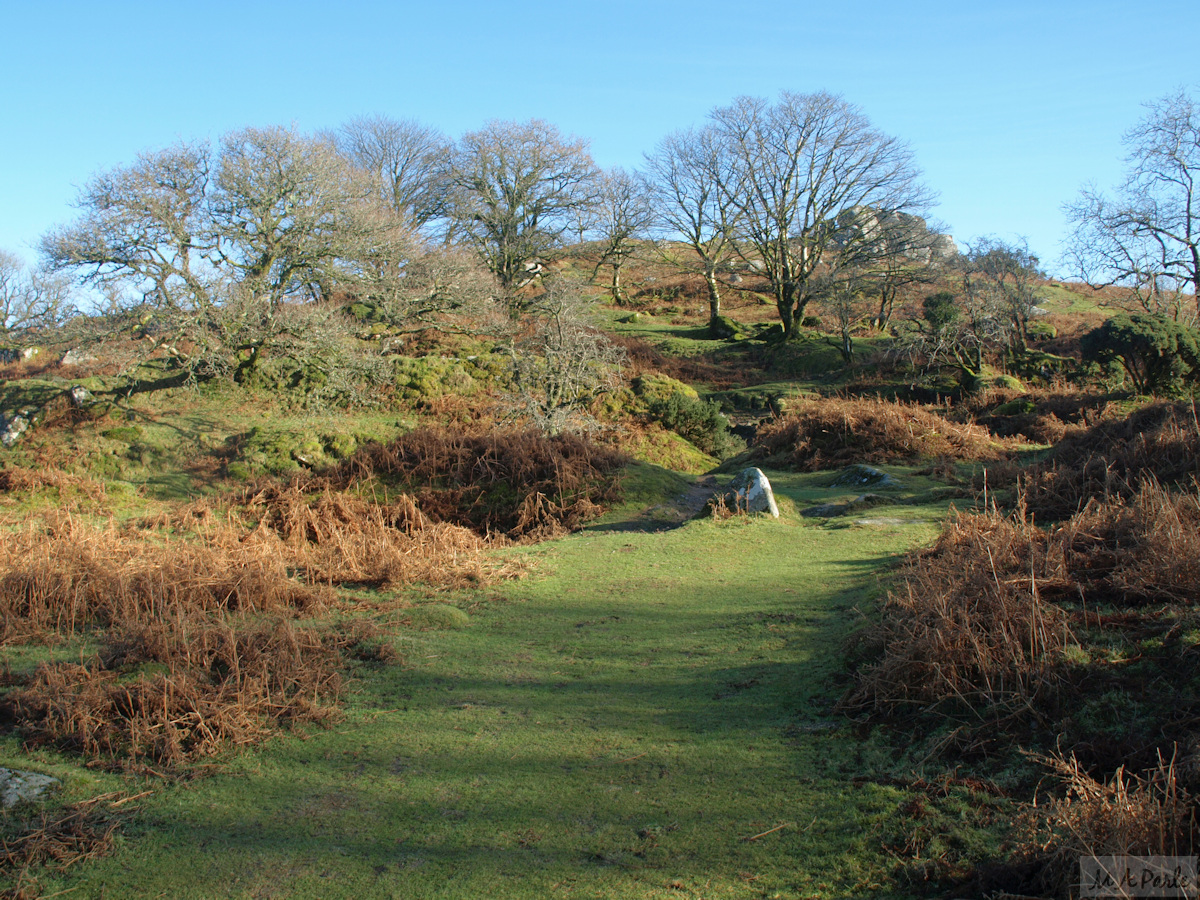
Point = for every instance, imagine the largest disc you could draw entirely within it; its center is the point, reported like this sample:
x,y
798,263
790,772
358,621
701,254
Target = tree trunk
x,y
714,292
618,293
887,302
784,305
800,300
1195,248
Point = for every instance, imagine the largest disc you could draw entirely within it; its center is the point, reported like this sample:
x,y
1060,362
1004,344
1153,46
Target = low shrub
x,y
336,537
521,484
429,377
1151,814
169,692
64,575
699,421
987,619
966,623
1159,442
829,434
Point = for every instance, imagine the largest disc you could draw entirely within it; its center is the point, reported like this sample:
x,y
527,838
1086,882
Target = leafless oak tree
x,y
624,215
692,186
516,188
796,165
405,162
1147,237
30,300
205,253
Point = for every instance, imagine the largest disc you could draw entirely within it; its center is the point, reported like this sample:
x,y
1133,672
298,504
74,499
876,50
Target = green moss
x,y
660,447
724,328
1017,407
1042,331
1008,383
428,377
439,616
654,387
126,433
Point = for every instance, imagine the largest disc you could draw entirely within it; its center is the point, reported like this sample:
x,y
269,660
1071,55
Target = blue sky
x,y
1009,106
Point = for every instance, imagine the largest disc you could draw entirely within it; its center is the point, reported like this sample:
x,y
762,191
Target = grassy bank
x,y
648,715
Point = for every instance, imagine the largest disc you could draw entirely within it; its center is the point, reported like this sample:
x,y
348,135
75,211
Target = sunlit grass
x,y
650,715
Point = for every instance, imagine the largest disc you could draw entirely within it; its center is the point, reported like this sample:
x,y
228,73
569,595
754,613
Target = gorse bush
x,y
699,421
1159,355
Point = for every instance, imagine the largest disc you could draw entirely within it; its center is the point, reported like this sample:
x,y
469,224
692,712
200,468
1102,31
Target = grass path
x,y
645,716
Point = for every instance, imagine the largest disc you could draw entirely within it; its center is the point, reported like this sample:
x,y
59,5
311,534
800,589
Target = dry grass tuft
x,y
1112,458
521,484
63,575
1140,550
1045,417
15,479
60,838
645,357
338,538
1127,815
967,623
168,693
976,618
828,434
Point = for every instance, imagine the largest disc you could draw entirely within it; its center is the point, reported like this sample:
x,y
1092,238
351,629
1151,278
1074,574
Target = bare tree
x,y
692,185
955,331
796,165
516,188
287,217
1147,237
562,363
30,301
200,253
144,229
842,297
1005,277
889,252
987,318
424,289
624,218
405,162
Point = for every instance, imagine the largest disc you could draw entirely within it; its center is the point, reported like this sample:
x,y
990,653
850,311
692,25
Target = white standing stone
x,y
754,492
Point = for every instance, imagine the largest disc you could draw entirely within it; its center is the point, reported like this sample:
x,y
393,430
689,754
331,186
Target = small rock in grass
x,y
859,475
23,787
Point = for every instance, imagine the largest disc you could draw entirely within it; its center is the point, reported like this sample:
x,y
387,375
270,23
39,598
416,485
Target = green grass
x,y
674,340
1065,301
625,722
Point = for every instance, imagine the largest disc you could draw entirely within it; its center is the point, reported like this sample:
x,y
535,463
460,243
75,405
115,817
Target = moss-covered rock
x,y
439,616
1008,383
724,328
428,377
1018,407
654,386
127,434
1042,331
